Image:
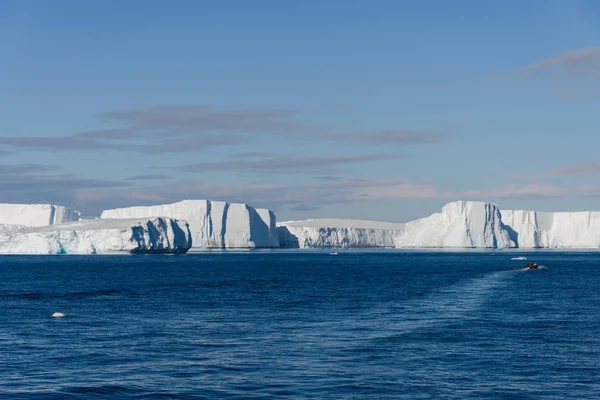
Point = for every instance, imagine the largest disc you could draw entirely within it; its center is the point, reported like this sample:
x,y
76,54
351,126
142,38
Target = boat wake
x,y
447,305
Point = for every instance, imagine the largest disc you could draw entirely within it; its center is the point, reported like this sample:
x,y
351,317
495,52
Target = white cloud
x,y
582,62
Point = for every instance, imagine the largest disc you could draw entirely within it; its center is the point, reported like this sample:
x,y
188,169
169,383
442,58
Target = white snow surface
x,y
213,224
338,233
157,235
461,224
36,214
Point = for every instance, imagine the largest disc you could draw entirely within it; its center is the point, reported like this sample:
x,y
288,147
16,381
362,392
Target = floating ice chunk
x,y
58,315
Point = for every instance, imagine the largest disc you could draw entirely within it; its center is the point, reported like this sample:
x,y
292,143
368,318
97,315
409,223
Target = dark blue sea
x,y
271,325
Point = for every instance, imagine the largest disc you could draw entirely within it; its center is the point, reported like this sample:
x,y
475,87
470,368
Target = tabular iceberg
x,y
158,235
36,214
51,229
213,224
460,224
338,233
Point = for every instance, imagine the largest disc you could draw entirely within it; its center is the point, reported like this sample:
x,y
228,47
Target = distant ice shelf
x,y
338,233
36,214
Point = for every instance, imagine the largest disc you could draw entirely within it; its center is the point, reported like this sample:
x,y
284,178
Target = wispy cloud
x,y
287,164
70,143
170,129
314,196
581,62
180,129
25,169
391,137
148,177
53,143
253,154
184,119
589,169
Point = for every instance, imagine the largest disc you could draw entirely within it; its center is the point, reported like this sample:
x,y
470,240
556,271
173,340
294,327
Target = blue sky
x,y
366,109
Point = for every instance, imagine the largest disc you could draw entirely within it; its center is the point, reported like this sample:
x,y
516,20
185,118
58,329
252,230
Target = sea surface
x,y
271,325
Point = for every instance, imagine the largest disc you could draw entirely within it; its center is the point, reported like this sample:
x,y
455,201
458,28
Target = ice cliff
x,y
51,229
338,233
569,230
460,224
213,224
157,235
36,214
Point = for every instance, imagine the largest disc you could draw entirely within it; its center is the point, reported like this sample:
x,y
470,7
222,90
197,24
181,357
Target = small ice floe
x,y
333,254
519,258
58,315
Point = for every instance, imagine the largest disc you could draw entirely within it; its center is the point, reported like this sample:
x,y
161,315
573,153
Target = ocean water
x,y
270,325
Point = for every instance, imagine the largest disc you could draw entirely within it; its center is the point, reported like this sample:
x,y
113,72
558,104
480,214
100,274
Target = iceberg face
x,y
528,229
51,229
158,235
214,224
337,233
574,230
266,226
461,224
464,224
36,214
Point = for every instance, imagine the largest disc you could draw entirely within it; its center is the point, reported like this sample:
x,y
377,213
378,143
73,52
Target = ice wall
x,y
157,235
36,214
266,226
527,229
337,233
461,224
214,224
575,230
